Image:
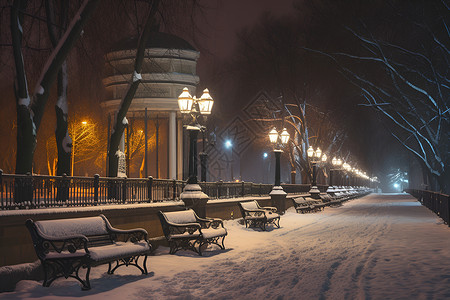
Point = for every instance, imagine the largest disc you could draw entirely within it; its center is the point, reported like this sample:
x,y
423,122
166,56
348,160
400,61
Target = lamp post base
x,y
194,198
278,197
314,192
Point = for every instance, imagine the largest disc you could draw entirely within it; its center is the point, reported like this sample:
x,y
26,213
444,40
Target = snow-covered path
x,y
382,246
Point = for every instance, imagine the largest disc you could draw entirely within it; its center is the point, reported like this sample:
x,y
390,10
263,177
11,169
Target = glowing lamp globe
x,y
273,136
310,151
284,136
205,103
185,101
318,152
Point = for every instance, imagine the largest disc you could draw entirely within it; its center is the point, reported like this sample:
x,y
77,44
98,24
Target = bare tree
x,y
406,81
121,122
269,57
55,30
30,108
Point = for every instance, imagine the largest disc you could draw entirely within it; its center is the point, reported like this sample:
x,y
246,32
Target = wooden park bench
x,y
64,246
304,205
330,200
301,205
184,230
257,216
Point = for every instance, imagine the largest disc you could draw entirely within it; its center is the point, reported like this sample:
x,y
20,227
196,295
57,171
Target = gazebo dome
x,y
156,40
169,65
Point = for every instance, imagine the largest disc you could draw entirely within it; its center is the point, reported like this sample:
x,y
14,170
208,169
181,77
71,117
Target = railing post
x,y
448,210
96,185
174,189
243,189
218,186
149,188
29,187
124,190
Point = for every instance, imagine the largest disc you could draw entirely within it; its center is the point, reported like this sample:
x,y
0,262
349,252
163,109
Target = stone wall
x,y
15,241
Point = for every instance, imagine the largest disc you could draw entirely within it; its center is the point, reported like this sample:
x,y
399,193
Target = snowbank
x,y
377,247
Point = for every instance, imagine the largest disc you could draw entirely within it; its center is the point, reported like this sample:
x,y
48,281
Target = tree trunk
x,y
29,113
119,126
63,142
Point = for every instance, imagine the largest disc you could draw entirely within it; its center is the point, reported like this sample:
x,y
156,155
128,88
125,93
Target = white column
x,y
122,142
180,150
172,145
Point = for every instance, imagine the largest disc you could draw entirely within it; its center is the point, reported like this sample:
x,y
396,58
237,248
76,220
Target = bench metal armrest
x,y
271,208
255,212
210,222
182,228
58,244
133,235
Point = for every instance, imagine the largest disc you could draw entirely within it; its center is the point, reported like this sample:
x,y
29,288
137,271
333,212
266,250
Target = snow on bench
x,y
255,215
184,230
64,246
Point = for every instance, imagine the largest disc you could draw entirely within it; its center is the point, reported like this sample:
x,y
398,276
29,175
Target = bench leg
x,y
66,268
185,244
277,222
129,261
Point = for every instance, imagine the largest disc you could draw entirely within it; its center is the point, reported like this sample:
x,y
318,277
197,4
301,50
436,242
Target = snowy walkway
x,y
382,246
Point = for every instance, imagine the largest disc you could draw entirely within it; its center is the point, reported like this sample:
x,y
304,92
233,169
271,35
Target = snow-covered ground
x,y
382,246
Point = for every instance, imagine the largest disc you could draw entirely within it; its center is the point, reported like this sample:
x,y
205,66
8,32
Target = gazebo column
x,y
172,145
180,149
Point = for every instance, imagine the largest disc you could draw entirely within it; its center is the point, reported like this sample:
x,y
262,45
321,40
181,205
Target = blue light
x,y
228,144
265,155
396,185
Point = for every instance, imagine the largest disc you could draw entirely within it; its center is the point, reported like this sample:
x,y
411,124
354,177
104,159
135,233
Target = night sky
x,y
217,41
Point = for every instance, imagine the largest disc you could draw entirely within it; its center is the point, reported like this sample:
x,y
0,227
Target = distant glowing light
x,y
228,144
84,122
237,180
265,155
396,185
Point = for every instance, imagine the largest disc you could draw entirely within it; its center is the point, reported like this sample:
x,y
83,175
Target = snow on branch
x,y
136,76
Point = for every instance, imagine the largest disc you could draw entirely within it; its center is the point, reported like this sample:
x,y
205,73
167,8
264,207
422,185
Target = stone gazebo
x,y
169,66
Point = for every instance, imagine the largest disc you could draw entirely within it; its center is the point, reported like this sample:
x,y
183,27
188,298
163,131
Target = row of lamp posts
x,y
196,110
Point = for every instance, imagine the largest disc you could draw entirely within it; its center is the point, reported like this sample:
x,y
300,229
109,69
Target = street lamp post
x,y
229,146
336,162
192,195
278,195
317,157
347,168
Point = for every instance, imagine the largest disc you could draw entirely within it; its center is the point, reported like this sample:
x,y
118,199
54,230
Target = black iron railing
x,y
436,202
42,191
